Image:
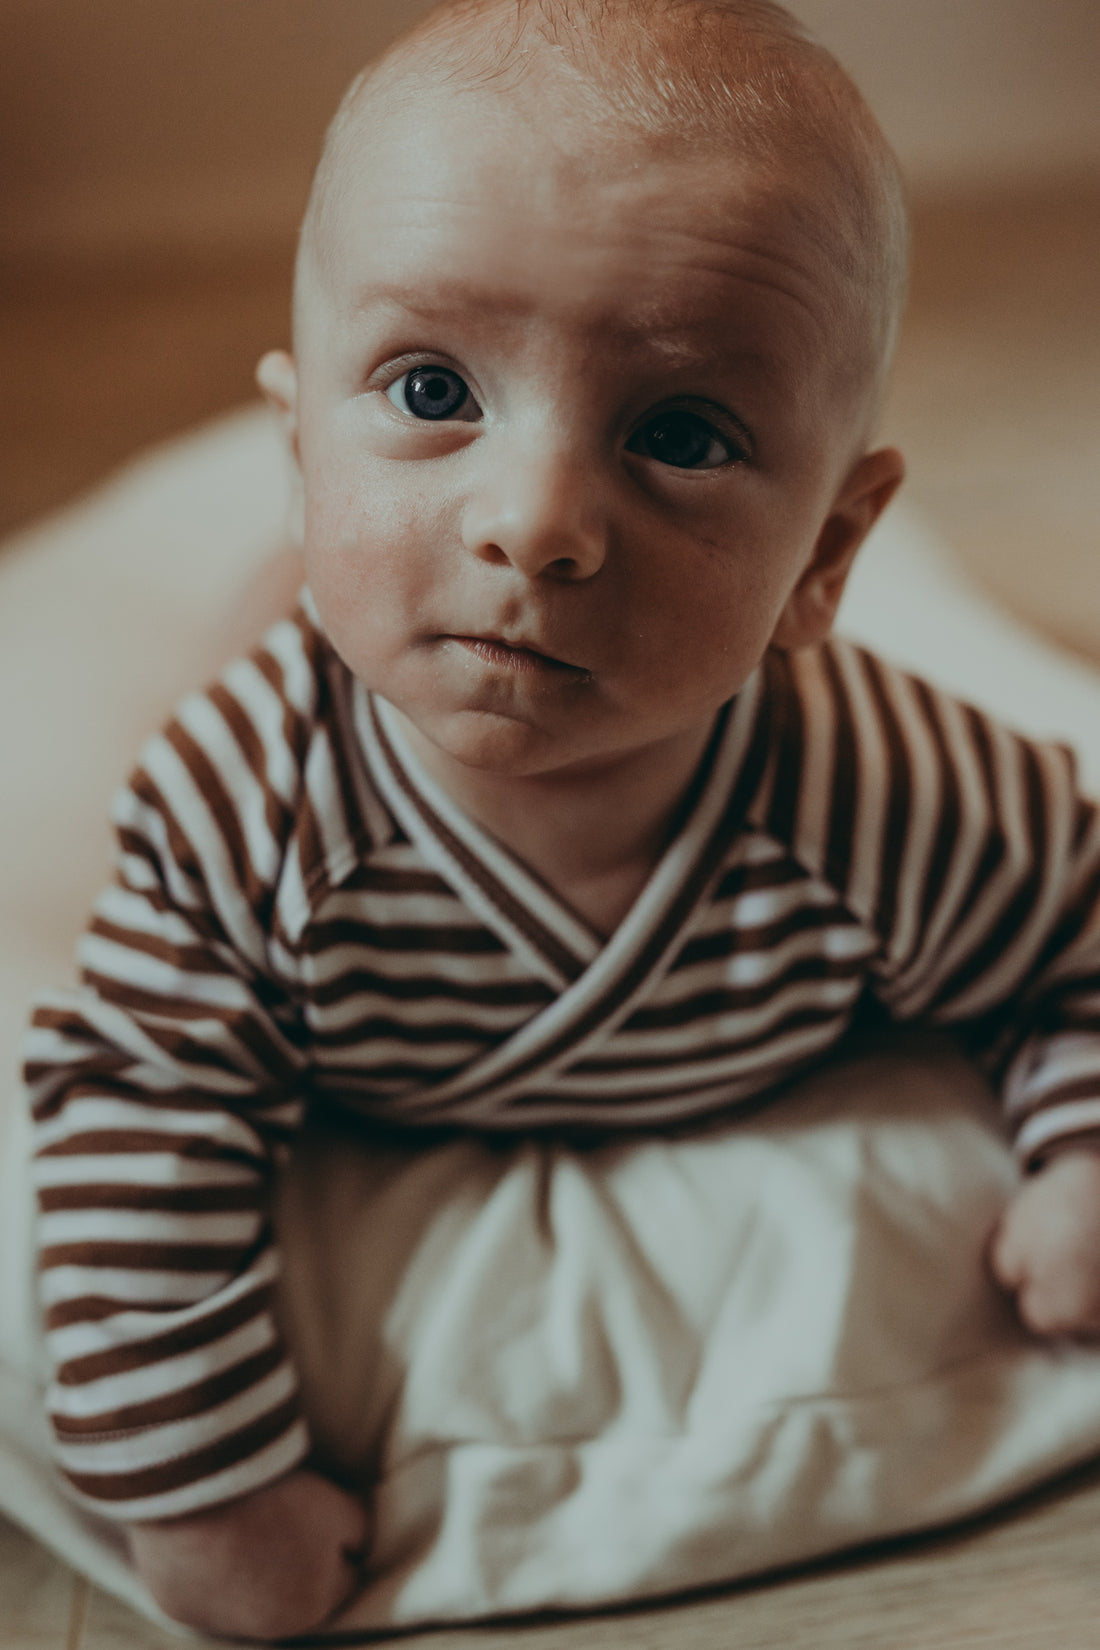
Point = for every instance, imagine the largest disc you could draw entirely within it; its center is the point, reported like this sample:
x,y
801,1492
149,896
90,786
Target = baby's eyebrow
x,y
677,345
455,297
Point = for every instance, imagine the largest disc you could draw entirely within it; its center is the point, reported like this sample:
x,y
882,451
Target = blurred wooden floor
x,y
997,404
1027,1579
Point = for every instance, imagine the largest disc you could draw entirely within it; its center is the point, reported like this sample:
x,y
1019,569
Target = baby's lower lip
x,y
523,660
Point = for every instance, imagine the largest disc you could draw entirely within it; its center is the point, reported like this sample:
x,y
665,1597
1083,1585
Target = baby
x,y
552,806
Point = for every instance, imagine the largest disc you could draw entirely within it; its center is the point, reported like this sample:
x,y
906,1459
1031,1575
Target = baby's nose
x,y
541,513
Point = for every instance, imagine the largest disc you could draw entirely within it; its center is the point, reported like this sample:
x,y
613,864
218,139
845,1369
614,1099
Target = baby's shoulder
x,y
872,769
256,787
838,703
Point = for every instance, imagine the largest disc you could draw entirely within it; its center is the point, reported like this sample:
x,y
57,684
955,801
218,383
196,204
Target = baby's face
x,y
571,423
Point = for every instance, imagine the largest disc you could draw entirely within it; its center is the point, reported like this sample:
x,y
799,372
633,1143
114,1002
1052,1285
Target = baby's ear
x,y
812,604
277,376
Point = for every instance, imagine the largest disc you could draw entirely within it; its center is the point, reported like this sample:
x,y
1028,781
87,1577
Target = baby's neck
x,y
595,837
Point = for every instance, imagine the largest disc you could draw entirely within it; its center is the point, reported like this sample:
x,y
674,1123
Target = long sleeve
x,y
975,858
1019,960
160,1090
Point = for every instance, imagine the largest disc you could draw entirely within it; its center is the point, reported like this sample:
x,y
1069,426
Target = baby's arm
x,y
160,1093
1046,1247
275,1563
991,924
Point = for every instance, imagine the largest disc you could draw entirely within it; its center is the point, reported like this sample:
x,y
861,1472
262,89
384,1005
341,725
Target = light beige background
x,y
127,125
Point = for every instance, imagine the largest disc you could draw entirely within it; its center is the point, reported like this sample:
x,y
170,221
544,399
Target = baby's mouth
x,y
518,657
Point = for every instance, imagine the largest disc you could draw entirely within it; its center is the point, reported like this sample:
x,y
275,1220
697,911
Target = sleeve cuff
x,y
201,1462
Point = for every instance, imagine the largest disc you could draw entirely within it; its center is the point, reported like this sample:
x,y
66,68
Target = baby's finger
x,y
354,1573
1063,1305
1007,1253
348,1528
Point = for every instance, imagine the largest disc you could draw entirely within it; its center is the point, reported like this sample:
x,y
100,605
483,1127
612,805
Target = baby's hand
x,y
273,1564
1046,1249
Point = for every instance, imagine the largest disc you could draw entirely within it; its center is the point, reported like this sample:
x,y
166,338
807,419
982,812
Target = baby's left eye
x,y
433,393
684,440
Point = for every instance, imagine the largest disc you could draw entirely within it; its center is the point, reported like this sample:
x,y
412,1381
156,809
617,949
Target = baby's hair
x,y
742,74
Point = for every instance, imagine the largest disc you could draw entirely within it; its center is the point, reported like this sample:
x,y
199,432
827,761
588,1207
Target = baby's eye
x,y
684,440
434,393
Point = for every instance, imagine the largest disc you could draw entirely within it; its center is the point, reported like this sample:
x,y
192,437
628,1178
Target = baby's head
x,y
594,305
733,80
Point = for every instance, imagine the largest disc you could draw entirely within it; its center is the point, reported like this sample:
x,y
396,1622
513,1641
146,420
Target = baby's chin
x,y
489,741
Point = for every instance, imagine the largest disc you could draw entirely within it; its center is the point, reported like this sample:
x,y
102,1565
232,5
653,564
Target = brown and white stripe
x,y
300,914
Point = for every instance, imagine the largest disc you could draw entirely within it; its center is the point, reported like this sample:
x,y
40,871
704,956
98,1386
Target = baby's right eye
x,y
433,393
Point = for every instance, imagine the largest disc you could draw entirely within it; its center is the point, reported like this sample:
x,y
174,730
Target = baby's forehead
x,y
534,172
418,140
787,116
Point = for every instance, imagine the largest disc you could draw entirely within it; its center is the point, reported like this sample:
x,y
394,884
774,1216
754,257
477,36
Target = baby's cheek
x,y
706,636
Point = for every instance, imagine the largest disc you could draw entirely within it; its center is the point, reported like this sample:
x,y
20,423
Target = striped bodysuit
x,y
301,917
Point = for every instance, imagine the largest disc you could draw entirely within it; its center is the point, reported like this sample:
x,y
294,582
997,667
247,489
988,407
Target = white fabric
x,y
582,1377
